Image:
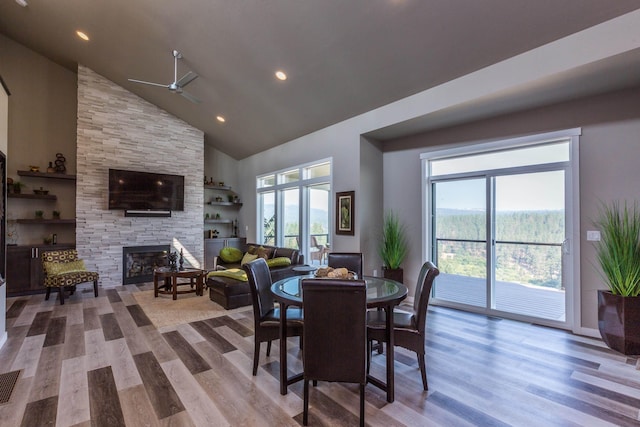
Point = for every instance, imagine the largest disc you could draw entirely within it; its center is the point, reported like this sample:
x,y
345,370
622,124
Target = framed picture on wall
x,y
345,204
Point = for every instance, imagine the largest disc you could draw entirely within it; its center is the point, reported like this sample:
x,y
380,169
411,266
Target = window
x,y
294,207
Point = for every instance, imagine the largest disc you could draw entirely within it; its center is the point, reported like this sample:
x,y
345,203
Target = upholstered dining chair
x,y
266,318
352,261
64,270
409,322
334,334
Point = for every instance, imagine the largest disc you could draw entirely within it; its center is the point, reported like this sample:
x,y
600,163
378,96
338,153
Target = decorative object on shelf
x,y
236,199
218,199
54,239
213,234
51,169
234,226
47,240
205,180
173,258
39,214
217,215
230,198
60,161
181,260
41,191
56,214
211,181
221,183
34,168
17,187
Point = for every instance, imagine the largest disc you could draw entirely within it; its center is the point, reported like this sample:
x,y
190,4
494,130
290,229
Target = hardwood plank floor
x,y
100,362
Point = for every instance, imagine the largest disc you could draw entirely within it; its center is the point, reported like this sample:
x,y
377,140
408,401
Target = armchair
x,y
64,270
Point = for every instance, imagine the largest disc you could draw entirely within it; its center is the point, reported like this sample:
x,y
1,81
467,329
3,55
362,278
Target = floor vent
x,y
7,383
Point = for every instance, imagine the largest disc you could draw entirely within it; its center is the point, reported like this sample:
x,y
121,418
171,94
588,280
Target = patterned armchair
x,y
63,269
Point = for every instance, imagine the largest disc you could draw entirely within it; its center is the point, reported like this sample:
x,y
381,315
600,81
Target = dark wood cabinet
x,y
24,268
212,248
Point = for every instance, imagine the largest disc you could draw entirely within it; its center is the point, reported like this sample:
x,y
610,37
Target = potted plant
x,y
618,254
17,187
56,214
393,247
39,214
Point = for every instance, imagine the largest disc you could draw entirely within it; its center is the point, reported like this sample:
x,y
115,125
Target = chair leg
x,y
256,356
361,405
268,348
61,292
95,288
46,297
423,371
369,350
305,412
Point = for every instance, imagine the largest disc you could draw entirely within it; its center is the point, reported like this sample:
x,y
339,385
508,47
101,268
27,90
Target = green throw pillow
x,y
54,268
248,258
282,261
230,255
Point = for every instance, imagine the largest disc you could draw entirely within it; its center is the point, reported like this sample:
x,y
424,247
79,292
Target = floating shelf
x,y
32,196
46,221
225,204
218,221
47,175
217,187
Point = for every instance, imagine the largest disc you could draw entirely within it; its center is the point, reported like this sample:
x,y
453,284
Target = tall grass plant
x,y
618,251
393,247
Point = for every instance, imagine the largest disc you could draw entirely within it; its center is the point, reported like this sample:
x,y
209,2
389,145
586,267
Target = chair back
x,y
260,286
352,261
335,330
427,275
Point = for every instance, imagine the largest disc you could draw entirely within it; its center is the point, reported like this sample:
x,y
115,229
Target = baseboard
x,y
587,332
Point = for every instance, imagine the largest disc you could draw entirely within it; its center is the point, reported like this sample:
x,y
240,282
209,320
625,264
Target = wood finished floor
x,y
99,362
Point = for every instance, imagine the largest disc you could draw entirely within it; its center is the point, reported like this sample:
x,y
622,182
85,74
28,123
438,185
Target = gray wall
x,y
117,129
609,157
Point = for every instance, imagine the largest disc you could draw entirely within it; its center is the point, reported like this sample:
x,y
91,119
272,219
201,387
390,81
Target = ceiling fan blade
x,y
147,83
187,78
190,97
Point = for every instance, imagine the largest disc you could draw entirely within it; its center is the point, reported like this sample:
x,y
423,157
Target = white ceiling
x,y
343,58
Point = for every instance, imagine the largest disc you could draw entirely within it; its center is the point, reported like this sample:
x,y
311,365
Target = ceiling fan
x,y
177,85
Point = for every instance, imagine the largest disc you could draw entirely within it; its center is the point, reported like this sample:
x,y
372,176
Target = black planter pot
x,y
619,322
396,274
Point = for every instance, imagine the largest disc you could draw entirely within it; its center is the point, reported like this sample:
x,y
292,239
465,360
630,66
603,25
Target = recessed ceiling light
x,y
82,35
281,75
220,119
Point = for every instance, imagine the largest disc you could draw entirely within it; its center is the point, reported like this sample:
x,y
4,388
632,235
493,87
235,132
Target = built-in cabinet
x,y
24,268
212,248
221,211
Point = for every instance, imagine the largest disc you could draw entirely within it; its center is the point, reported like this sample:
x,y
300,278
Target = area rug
x,y
164,311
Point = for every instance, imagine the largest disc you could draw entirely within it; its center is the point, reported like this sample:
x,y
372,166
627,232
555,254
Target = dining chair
x,y
409,323
352,261
335,334
266,318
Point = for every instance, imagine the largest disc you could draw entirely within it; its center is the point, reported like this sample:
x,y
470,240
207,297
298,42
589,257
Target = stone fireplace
x,y
138,262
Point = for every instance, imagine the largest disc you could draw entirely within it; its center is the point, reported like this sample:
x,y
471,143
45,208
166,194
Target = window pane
x,y
318,223
532,155
291,220
267,181
268,209
320,170
291,176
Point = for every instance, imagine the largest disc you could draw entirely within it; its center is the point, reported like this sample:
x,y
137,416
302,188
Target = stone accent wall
x,y
117,129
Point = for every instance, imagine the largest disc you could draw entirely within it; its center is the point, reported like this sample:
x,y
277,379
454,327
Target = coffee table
x,y
171,281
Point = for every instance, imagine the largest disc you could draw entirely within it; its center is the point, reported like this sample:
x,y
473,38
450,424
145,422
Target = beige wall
x,y
609,157
42,122
4,112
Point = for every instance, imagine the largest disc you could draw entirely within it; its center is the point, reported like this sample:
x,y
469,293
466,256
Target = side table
x,y
171,283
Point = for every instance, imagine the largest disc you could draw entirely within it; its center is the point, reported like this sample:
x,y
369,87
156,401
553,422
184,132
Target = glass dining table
x,y
381,293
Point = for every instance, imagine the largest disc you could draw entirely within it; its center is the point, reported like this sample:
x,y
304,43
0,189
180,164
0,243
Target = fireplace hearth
x,y
138,262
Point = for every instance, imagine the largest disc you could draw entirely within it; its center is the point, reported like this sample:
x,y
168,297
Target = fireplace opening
x,y
138,262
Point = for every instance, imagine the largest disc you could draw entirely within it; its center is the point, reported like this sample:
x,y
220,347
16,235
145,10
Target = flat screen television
x,y
145,191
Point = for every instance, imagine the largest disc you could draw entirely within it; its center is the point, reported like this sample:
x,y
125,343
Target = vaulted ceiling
x,y
342,58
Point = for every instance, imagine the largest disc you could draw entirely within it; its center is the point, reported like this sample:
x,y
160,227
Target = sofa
x,y
232,293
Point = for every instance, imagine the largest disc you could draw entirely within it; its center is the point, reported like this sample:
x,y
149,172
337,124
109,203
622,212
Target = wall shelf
x,y
53,175
225,204
46,221
217,187
32,196
218,221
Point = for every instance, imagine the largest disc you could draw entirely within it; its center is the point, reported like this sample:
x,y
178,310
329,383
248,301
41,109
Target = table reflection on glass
x,y
381,293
